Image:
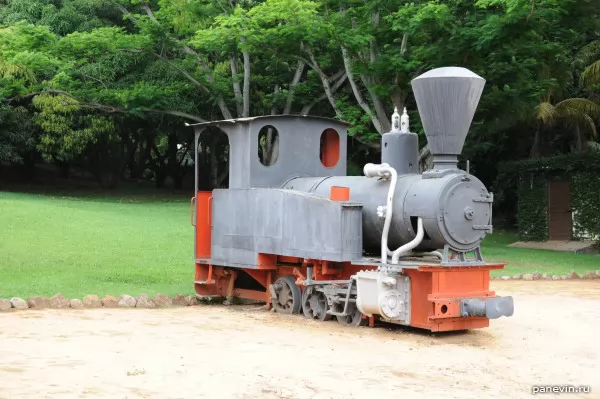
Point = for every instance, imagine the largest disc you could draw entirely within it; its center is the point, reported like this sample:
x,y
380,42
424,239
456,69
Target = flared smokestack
x,y
447,99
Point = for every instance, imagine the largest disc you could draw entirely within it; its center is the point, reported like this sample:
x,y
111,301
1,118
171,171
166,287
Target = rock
x,y
38,302
517,276
58,301
505,277
192,300
5,305
564,277
144,302
179,300
126,301
598,273
572,275
528,277
109,301
18,303
92,301
548,276
589,276
555,278
536,276
76,304
162,301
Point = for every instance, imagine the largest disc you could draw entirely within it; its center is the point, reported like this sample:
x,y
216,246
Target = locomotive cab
x,y
297,146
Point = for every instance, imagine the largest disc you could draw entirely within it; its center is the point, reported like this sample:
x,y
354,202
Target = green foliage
x,y
582,170
585,200
142,60
62,17
532,208
67,131
16,133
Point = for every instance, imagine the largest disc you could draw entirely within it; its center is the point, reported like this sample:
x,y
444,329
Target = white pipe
x,y
410,245
386,171
437,254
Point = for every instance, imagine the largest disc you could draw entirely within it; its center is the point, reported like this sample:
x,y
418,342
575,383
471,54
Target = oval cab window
x,y
268,145
330,148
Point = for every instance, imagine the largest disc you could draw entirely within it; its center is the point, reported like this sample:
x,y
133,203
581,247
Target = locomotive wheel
x,y
289,296
314,304
354,319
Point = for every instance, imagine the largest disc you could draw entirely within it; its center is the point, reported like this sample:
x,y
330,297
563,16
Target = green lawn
x,y
130,244
94,245
522,260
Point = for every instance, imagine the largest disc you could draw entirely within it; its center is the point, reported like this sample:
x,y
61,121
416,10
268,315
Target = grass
x,y
115,244
522,260
94,245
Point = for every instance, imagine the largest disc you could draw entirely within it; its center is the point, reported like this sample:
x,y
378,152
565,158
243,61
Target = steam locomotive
x,y
393,245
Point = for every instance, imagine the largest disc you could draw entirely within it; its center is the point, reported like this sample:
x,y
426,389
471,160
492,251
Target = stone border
x,y
572,275
58,301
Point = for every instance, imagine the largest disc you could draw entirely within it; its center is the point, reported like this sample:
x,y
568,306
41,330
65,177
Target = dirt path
x,y
245,352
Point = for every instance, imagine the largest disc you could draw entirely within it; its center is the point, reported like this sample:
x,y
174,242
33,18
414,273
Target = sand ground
x,y
245,352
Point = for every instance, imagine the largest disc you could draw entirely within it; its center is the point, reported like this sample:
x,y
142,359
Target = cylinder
x,y
455,208
401,151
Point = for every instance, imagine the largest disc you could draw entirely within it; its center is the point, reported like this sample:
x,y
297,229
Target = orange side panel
x,y
457,284
203,224
436,295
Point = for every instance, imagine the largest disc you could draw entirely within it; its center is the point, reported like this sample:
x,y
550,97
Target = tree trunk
x,y
358,95
246,92
580,140
295,81
237,91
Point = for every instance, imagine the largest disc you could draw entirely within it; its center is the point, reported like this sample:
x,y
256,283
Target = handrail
x,y
192,213
385,171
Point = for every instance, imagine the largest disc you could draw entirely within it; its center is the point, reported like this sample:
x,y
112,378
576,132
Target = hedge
x,y
530,177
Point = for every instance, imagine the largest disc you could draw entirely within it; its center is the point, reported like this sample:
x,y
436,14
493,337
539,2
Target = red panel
x,y
203,224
